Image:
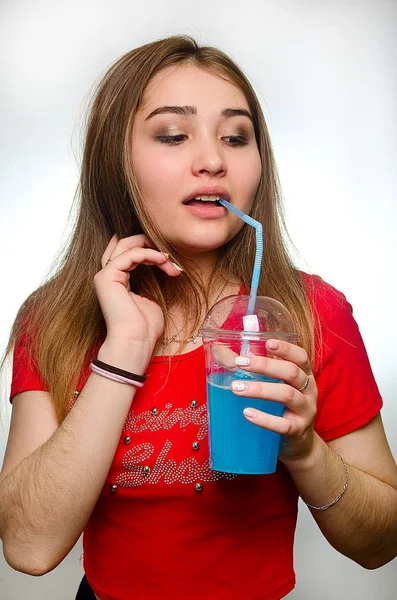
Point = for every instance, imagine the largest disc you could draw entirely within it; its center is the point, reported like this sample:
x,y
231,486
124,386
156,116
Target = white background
x,y
325,74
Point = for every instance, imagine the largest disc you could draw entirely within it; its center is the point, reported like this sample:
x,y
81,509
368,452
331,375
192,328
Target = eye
x,y
171,139
236,140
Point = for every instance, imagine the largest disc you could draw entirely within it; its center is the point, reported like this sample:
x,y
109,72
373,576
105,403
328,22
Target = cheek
x,y
248,170
256,169
155,174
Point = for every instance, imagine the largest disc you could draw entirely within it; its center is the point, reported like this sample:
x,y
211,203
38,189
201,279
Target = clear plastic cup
x,y
237,445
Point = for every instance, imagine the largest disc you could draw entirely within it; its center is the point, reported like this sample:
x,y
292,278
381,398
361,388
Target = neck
x,y
205,263
176,340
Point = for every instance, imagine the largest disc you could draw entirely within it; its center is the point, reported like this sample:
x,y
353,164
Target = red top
x,y
153,535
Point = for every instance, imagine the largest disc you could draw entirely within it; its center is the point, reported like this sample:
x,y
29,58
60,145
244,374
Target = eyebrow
x,y
187,111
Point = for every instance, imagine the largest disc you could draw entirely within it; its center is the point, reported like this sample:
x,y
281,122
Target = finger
x,y
130,259
286,370
117,246
272,423
290,352
275,392
224,356
134,241
109,249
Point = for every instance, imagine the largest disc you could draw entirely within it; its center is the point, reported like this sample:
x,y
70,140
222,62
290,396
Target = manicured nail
x,y
238,386
177,267
248,412
273,345
242,361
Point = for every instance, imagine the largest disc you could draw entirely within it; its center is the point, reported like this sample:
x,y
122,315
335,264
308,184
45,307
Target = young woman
x,y
172,127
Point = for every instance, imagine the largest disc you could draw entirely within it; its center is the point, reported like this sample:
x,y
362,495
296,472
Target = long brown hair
x,y
62,319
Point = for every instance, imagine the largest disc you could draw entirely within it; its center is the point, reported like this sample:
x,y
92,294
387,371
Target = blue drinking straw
x,y
258,258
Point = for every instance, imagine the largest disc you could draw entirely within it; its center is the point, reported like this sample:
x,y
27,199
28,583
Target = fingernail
x,y
177,267
238,386
248,412
242,361
273,345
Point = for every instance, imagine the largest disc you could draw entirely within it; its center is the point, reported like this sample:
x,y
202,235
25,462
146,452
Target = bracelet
x,y
114,377
117,371
339,496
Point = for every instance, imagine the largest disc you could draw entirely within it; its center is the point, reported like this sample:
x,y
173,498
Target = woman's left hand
x,y
298,394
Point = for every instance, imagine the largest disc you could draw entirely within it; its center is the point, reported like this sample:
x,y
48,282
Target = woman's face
x,y
193,136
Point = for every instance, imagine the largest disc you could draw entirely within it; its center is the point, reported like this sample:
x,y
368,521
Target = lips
x,y
209,191
205,210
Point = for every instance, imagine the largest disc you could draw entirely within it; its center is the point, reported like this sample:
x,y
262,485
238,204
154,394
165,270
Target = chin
x,y
198,246
203,240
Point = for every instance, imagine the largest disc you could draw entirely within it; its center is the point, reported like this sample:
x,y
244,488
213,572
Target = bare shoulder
x,y
33,422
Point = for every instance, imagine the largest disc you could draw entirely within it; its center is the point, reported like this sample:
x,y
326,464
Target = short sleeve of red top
x,y
348,396
25,376
155,533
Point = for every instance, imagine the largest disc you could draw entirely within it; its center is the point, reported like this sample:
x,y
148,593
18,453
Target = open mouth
x,y
199,200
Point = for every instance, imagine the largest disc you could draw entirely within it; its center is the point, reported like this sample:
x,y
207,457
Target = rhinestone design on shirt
x,y
188,471
164,419
164,469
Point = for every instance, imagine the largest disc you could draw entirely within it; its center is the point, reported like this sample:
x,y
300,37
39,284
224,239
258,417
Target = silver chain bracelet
x,y
339,496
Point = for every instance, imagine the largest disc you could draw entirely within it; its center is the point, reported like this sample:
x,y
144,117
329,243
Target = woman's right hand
x,y
128,316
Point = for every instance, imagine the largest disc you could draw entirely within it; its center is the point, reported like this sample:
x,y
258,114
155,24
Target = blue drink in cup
x,y
237,445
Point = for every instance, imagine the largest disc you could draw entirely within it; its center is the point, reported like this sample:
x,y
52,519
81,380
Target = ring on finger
x,y
305,384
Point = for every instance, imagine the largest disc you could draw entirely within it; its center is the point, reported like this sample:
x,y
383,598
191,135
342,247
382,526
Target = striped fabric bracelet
x,y
116,374
114,377
111,369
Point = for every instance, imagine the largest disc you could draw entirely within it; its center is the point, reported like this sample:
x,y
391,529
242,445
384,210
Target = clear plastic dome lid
x,y
229,317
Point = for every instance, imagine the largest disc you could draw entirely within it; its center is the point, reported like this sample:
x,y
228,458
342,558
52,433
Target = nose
x,y
208,158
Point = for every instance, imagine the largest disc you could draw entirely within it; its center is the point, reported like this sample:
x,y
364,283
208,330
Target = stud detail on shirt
x,y
169,417
146,470
196,446
113,487
165,469
127,439
199,487
155,411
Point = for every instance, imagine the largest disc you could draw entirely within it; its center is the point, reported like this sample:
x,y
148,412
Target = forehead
x,y
191,85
